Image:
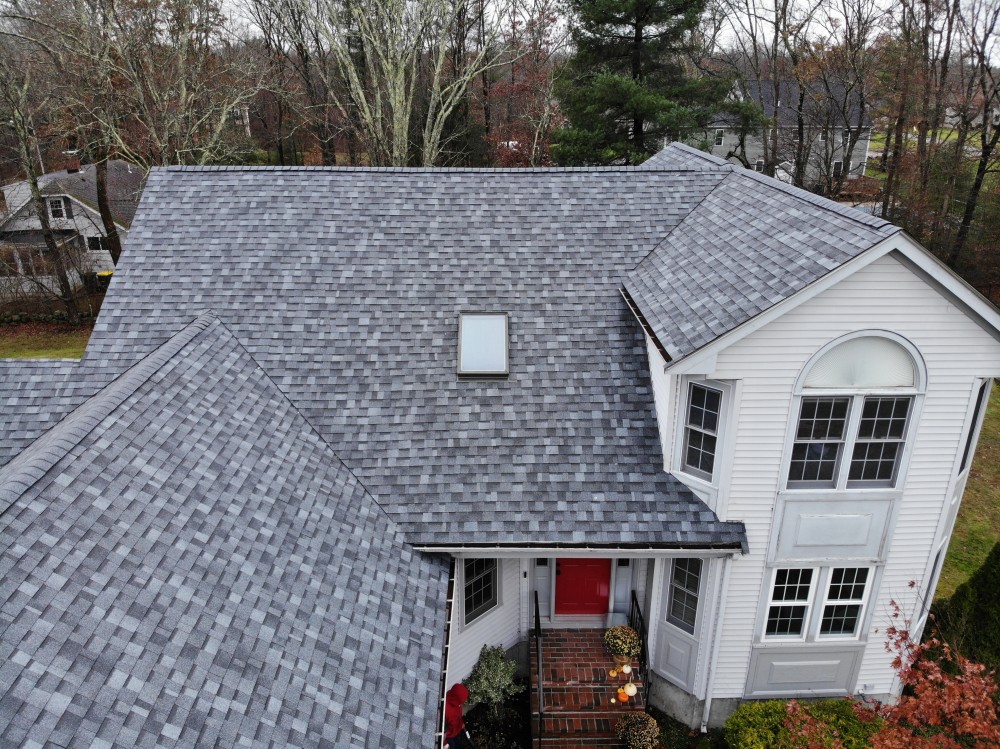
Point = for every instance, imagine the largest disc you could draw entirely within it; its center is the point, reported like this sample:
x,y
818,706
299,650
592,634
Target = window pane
x,y
700,451
480,587
792,585
848,583
785,620
814,461
884,418
840,619
875,461
483,344
704,407
682,610
823,419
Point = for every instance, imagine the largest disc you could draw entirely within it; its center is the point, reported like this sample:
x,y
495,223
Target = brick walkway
x,y
578,690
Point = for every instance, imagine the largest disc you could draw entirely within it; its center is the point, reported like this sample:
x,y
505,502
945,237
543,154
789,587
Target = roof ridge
x,y
428,169
39,457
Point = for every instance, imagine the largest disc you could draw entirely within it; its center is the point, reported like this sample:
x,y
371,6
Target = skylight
x,y
482,344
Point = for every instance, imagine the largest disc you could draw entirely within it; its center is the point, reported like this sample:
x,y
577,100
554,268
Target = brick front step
x,y
582,724
576,698
578,690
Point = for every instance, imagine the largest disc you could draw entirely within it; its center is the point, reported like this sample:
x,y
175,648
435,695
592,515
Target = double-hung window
x,y
481,588
720,136
853,441
701,430
810,603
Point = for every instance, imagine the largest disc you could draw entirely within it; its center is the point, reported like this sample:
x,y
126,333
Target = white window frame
x,y
722,434
720,136
816,603
855,409
673,622
822,135
497,579
845,137
838,169
758,165
484,373
54,203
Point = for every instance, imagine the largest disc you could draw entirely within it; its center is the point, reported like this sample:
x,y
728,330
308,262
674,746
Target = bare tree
x,y
19,109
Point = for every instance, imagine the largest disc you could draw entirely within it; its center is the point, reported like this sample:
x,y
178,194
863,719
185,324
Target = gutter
x,y
448,629
726,549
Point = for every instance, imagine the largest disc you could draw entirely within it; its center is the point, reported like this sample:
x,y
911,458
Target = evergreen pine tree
x,y
627,87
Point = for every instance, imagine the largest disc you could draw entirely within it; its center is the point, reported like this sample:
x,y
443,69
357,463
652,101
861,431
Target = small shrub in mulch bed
x,y
510,728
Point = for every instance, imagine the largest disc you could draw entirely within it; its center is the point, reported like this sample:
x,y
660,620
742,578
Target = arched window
x,y
856,402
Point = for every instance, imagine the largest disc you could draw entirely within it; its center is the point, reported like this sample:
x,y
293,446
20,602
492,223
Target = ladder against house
x,y
577,691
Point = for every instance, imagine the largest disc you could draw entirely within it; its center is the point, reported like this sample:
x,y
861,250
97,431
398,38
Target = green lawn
x,y
977,528
43,341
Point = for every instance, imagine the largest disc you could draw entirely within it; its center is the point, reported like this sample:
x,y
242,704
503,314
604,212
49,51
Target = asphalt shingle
x,y
184,562
346,285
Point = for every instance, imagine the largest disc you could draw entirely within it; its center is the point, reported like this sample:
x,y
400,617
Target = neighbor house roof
x,y
125,183
184,561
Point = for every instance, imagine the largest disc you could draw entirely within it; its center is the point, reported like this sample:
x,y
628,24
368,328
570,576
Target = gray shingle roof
x,y
346,286
184,562
750,244
35,395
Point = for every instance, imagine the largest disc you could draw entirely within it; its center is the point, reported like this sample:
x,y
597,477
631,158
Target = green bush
x,y
970,619
761,724
492,680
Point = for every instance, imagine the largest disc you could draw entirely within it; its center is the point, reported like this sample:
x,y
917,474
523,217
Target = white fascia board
x,y
511,552
702,361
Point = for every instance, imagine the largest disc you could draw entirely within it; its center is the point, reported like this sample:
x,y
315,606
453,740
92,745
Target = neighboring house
x,y
70,197
340,427
828,126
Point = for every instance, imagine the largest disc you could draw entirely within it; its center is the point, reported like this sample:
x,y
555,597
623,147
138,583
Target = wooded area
x,y
516,83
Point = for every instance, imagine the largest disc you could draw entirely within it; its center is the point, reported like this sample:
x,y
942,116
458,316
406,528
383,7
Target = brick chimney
x,y
72,161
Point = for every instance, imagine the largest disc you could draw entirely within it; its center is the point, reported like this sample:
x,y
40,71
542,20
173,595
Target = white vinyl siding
x,y
956,350
498,626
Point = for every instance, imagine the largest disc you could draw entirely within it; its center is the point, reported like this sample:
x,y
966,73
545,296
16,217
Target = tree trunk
x,y
973,199
104,207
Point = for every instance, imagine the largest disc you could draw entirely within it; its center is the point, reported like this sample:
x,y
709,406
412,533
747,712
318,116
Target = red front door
x,y
582,586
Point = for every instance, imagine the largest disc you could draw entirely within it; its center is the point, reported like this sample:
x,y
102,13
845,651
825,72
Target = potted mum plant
x,y
623,643
638,731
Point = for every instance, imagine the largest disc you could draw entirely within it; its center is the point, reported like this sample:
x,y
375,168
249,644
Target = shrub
x,y
757,725
492,680
970,620
638,730
622,640
764,725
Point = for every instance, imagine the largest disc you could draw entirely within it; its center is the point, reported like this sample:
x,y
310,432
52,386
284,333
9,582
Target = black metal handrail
x,y
538,670
637,622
